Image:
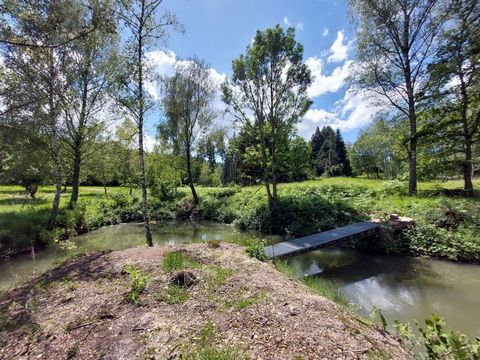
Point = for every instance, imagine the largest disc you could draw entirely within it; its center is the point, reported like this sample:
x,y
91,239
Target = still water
x,y
403,288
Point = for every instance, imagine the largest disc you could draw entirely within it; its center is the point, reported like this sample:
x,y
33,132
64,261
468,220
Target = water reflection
x,y
404,288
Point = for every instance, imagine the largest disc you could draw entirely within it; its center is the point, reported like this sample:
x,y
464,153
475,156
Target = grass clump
x,y
174,295
317,285
138,283
178,260
218,276
203,347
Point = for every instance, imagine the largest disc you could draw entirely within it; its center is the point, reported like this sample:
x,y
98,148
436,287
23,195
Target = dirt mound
x,y
235,307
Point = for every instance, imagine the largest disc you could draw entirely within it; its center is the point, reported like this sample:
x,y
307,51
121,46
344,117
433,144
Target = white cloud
x,y
326,83
355,110
163,64
149,142
339,50
288,23
325,32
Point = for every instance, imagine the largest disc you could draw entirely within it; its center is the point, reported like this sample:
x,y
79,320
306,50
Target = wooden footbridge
x,y
320,240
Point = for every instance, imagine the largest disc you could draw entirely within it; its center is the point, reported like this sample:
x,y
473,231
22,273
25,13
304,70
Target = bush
x,y
163,190
138,283
459,245
255,249
298,214
439,341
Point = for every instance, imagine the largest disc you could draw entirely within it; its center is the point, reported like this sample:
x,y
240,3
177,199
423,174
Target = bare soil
x,y
78,311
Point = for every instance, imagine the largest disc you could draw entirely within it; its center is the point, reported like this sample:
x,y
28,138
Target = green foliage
x,y
218,276
440,342
329,153
177,260
303,211
378,318
255,249
138,283
375,153
325,288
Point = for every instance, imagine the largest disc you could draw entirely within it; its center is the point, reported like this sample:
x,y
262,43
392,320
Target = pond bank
x,y
236,305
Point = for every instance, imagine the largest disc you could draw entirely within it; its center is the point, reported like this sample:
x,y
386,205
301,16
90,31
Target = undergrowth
x,y
138,283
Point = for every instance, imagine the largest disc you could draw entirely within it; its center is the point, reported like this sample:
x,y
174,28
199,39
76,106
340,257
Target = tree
x,y
328,153
374,152
187,104
341,152
38,77
268,94
316,144
299,159
455,76
86,99
395,43
144,25
22,160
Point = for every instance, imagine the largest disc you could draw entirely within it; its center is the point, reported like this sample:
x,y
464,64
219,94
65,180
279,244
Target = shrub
x,y
439,341
255,249
138,283
163,190
304,211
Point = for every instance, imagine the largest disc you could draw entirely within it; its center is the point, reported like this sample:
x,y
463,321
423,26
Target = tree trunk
x,y
76,177
412,150
266,178
196,200
54,145
141,105
58,184
274,174
105,189
79,139
468,167
468,163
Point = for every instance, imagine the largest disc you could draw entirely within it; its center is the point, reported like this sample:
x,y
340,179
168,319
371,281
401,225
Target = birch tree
x,y
396,41
146,23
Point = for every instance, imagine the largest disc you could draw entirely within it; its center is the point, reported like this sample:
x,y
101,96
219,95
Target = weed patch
x,y
174,295
138,283
178,260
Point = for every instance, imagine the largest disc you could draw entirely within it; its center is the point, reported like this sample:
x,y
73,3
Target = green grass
x,y
174,295
177,260
202,347
317,285
218,276
304,208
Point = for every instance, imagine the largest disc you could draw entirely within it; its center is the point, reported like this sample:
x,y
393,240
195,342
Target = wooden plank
x,y
319,240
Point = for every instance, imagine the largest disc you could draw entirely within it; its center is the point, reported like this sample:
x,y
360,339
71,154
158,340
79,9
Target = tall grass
x,y
316,284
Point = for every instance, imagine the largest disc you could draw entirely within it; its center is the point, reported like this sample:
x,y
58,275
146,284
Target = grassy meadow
x,y
447,226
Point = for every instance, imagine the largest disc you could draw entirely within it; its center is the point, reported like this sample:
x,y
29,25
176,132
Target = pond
x,y
403,288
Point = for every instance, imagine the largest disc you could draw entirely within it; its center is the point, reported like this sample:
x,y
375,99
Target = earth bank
x,y
235,307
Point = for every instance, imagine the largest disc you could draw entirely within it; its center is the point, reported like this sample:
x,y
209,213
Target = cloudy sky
x,y
219,31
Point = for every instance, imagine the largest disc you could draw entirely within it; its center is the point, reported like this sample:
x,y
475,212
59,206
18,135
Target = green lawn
x,y
305,207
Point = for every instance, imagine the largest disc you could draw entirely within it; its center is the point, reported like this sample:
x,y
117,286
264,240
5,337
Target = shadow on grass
x,y
23,201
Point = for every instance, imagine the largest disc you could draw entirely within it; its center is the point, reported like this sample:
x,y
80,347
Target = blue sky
x,y
219,31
